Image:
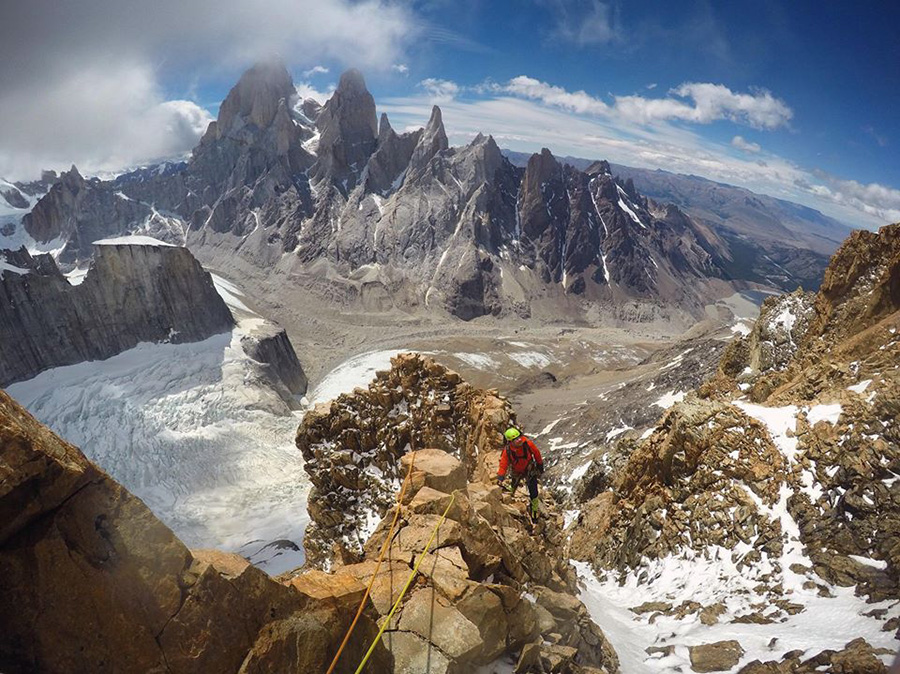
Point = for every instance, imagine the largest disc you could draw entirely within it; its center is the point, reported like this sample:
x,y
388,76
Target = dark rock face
x,y
270,345
128,596
79,212
131,294
349,129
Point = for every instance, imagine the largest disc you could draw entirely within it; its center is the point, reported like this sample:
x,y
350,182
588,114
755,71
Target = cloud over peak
x,y
81,81
101,119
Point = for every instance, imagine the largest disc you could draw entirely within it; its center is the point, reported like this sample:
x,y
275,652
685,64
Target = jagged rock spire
x,y
384,128
432,142
254,99
349,127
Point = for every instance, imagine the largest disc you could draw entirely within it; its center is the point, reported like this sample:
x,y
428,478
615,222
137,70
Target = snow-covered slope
x,y
188,429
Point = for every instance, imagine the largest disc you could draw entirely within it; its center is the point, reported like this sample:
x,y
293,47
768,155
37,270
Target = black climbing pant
x,y
531,479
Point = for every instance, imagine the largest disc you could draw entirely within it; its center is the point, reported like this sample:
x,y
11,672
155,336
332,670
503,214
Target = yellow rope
x,y
405,587
384,547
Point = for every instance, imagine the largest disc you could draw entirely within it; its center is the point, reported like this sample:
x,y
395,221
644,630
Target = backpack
x,y
514,457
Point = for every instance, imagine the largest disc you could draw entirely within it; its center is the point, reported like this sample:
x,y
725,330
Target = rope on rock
x,y
384,547
409,581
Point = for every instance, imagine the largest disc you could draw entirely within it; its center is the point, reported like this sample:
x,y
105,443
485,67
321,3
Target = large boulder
x,y
717,657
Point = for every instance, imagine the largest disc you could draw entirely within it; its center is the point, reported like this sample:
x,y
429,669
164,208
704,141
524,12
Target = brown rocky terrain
x,y
91,581
353,445
494,589
782,470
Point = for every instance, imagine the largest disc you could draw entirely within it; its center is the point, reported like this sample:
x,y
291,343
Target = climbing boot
x,y
535,509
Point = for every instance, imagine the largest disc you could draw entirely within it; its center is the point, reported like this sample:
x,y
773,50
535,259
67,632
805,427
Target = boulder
x,y
414,655
443,472
433,618
720,656
484,609
341,588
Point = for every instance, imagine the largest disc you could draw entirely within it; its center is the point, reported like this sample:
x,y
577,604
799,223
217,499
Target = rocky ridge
x,y
131,294
782,468
99,584
353,447
493,590
403,216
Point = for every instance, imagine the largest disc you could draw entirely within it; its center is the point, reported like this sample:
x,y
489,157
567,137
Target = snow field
x,y
707,579
356,372
189,429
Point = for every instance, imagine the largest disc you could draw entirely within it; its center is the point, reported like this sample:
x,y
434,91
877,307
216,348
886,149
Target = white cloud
x,y
88,90
440,90
100,119
879,201
577,101
306,90
315,70
710,103
401,68
742,144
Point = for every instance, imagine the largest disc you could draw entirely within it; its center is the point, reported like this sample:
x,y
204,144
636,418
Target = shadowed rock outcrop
x,y
269,344
100,585
131,294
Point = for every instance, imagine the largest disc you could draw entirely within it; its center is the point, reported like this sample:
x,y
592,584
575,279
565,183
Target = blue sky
x,y
794,99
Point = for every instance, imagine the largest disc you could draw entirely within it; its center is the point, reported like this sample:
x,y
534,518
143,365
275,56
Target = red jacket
x,y
517,455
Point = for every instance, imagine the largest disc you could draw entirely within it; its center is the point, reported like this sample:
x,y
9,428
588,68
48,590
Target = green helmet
x,y
511,433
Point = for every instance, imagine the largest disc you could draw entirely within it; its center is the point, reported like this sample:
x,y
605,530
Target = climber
x,y
522,457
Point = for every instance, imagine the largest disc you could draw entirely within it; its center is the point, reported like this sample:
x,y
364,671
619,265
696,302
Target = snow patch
x,y
76,276
231,294
741,328
625,207
616,432
133,240
480,360
860,387
579,472
670,398
530,359
354,373
6,267
829,413
708,578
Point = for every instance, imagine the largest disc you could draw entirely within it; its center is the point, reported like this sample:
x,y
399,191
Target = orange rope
x,y
384,547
